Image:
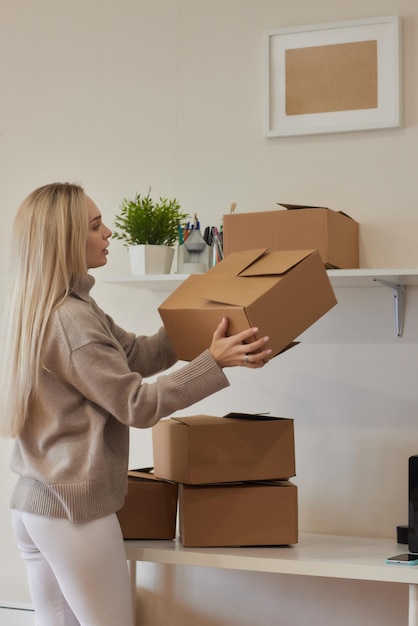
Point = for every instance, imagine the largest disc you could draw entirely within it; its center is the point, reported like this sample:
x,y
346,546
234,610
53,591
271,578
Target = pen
x,y
207,235
180,231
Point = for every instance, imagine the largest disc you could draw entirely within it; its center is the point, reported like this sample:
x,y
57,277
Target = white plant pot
x,y
146,259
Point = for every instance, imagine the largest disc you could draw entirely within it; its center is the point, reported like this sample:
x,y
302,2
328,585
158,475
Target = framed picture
x,y
328,78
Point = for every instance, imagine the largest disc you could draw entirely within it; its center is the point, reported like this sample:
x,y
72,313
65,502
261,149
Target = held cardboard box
x,y
280,292
150,507
246,514
333,233
206,449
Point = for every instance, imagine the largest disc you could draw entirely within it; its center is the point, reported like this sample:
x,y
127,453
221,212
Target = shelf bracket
x,y
399,292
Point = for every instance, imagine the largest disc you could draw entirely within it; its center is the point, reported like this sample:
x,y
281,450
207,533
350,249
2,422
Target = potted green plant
x,y
149,229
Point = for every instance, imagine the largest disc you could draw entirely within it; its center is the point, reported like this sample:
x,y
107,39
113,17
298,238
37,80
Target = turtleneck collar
x,y
83,287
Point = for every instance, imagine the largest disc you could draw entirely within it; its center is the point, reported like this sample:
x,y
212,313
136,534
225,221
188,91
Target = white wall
x,y
125,95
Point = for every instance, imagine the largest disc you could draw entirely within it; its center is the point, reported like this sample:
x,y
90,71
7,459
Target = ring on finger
x,y
246,359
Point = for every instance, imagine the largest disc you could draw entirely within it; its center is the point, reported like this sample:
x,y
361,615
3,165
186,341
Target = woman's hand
x,y
232,351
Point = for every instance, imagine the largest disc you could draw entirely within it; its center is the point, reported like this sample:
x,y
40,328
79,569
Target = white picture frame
x,y
377,39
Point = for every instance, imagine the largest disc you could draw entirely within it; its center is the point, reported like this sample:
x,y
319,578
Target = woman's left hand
x,y
233,351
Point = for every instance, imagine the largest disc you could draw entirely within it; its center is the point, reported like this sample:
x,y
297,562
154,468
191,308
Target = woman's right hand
x,y
232,351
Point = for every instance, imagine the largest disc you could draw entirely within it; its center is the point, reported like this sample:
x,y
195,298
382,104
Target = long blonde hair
x,y
48,259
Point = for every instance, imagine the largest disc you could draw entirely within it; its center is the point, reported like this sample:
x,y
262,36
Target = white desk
x,y
328,556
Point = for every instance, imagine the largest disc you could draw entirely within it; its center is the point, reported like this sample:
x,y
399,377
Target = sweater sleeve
x,y
103,377
147,355
107,367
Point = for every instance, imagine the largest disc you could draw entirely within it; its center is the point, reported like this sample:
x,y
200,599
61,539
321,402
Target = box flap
x,y
197,420
204,420
146,473
235,263
239,292
252,416
204,286
276,262
291,207
301,206
272,483
256,279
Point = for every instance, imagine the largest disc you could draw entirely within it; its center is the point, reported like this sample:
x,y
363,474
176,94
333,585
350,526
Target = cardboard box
x,y
333,233
150,508
247,514
280,292
204,449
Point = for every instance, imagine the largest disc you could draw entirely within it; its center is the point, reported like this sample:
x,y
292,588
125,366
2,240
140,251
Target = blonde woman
x,y
73,384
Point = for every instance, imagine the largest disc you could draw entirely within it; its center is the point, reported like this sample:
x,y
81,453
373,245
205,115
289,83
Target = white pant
x,y
78,574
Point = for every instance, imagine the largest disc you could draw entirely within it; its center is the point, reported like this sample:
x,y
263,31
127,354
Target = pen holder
x,y
193,256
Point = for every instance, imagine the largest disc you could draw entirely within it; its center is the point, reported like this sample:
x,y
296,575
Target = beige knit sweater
x,y
72,457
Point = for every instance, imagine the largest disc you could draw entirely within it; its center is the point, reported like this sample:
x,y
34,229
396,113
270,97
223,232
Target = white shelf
x,y
334,556
328,556
373,277
397,279
339,278
150,282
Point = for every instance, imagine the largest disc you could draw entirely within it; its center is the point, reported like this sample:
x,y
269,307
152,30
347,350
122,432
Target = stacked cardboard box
x,y
296,227
233,474
150,509
238,514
